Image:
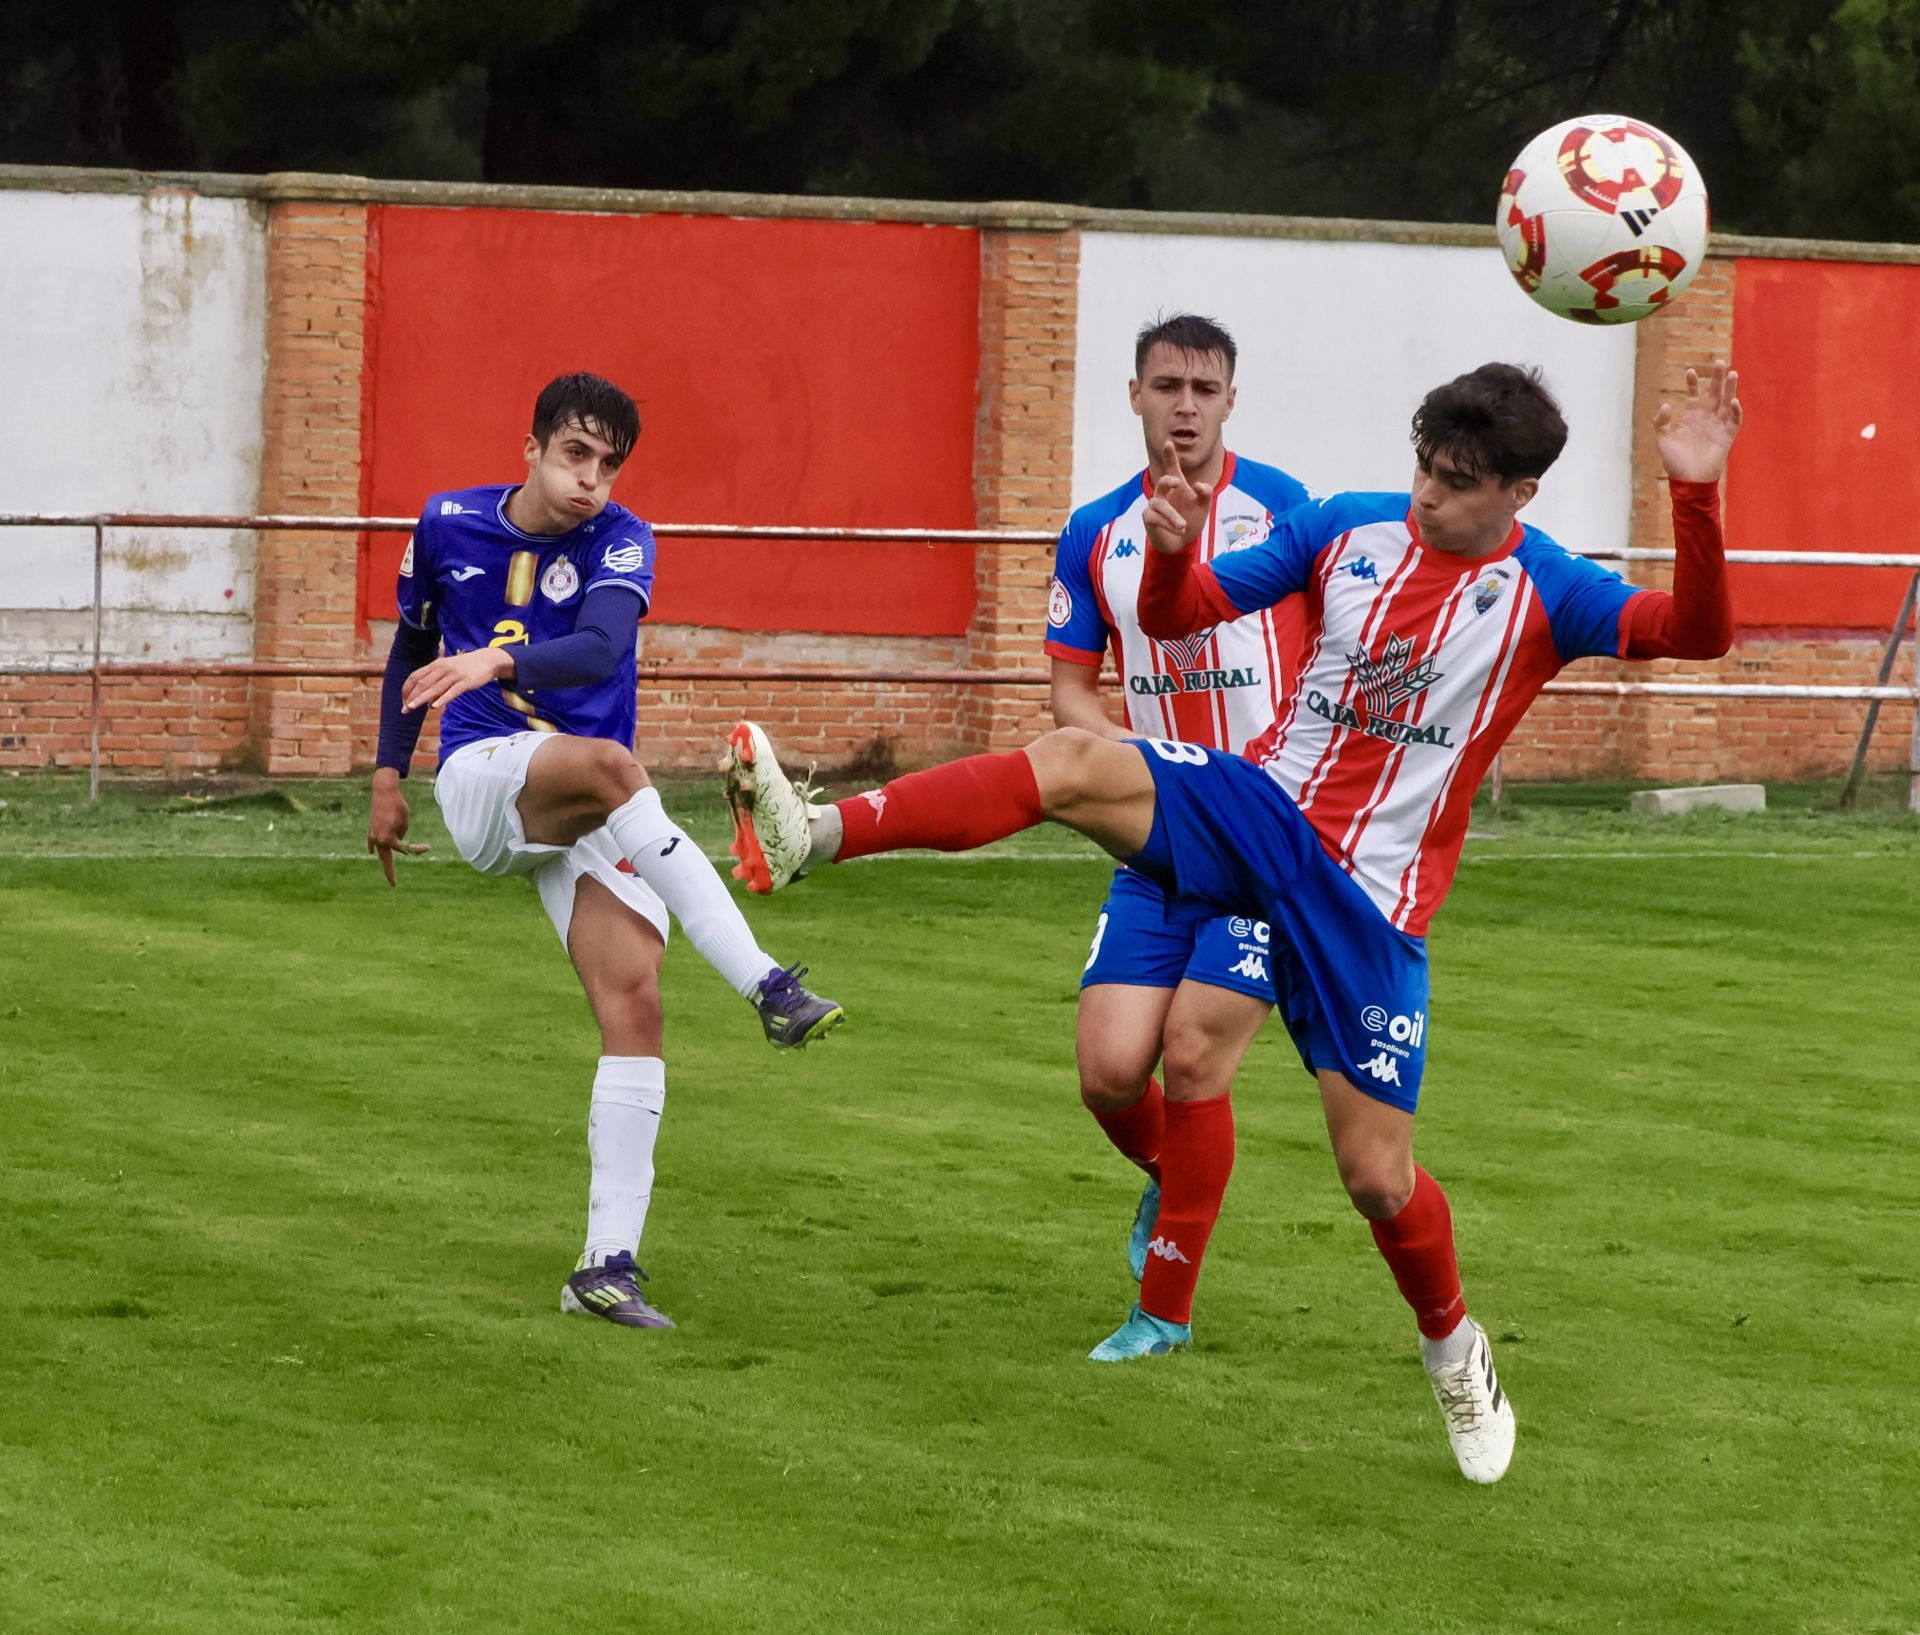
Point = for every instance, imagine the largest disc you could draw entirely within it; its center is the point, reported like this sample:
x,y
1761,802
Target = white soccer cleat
x,y
1479,1416
770,831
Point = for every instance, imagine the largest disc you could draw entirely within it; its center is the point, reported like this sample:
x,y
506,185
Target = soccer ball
x,y
1603,219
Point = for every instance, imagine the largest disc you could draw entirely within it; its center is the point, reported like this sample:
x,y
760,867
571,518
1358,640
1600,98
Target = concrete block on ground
x,y
1729,797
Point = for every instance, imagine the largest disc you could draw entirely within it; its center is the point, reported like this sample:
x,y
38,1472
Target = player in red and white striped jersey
x,y
1346,834
1187,996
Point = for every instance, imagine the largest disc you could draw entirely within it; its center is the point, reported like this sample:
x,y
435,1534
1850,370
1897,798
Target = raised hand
x,y
1178,510
1694,441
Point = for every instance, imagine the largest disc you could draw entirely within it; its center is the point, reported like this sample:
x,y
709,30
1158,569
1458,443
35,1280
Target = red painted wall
x,y
787,372
1825,351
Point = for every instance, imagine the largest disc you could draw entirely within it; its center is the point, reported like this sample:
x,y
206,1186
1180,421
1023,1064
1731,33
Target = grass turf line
x,y
294,1169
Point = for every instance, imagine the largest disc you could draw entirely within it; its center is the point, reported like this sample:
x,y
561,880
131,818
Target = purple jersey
x,y
478,581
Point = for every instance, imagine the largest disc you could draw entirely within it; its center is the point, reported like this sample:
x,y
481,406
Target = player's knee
x,y
632,1002
1378,1186
1063,763
1111,1087
613,774
1199,1062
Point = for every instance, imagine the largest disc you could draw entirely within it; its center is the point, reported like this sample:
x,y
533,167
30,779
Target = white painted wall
x,y
1338,344
133,356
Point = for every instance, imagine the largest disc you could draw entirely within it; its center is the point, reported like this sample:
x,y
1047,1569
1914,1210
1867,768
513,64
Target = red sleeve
x,y
1179,596
1695,621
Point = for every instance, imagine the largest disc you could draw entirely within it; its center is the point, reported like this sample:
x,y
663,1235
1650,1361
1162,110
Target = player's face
x,y
571,479
1184,398
1465,515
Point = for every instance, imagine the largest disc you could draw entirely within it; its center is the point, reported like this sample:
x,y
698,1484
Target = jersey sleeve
x,y
1582,601
415,591
1283,562
1076,629
624,559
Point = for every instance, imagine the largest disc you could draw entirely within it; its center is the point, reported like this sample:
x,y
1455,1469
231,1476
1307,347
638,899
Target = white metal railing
x,y
99,669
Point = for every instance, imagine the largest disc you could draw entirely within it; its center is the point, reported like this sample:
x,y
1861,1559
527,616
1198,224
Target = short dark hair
x,y
1499,419
598,405
1189,333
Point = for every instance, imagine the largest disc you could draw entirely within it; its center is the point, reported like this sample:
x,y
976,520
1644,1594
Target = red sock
x,y
1418,1244
1138,1130
950,808
1196,1158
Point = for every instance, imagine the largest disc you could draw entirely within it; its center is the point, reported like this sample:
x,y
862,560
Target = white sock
x,y
825,830
622,1125
664,855
1453,1349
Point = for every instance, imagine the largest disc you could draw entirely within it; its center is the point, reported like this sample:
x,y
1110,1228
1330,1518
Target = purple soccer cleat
x,y
612,1291
790,1016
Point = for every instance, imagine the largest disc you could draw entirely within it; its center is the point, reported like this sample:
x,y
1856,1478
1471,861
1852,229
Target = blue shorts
x,y
1137,944
1352,988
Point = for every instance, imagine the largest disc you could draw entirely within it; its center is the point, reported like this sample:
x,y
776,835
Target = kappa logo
x,y
1364,569
1126,547
877,799
625,558
1252,967
1383,1067
463,573
1167,1249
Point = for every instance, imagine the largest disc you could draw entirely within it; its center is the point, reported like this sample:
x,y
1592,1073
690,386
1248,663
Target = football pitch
x,y
294,1167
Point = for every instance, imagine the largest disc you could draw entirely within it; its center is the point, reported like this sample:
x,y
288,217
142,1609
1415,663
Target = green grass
x,y
292,1167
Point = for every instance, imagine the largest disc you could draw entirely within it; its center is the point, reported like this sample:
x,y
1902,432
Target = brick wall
x,y
318,250
1023,463
304,600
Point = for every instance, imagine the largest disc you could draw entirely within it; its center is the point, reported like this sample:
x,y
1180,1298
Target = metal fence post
x,y
93,670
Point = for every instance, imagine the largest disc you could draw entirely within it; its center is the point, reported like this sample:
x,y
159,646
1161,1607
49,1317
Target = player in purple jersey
x,y
1186,995
535,592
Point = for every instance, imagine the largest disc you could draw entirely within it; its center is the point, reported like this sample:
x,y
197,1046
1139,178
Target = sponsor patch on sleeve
x,y
1059,604
406,560
625,558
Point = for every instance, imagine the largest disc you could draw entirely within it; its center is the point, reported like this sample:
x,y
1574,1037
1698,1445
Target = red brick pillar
x,y
1022,462
1675,738
310,462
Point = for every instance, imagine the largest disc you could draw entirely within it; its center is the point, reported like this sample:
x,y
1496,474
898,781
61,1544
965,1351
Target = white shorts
x,y
478,790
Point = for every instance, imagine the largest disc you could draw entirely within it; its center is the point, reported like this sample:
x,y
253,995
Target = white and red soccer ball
x,y
1603,219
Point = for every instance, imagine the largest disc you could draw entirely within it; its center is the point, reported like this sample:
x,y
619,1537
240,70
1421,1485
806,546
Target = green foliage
x,y
294,1166
1803,114
1836,115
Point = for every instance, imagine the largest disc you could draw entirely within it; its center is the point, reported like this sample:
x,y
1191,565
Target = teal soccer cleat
x,y
1145,1218
1142,1336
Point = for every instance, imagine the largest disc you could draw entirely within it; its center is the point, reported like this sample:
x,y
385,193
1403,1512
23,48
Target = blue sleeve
x,y
400,729
1582,600
415,592
1282,563
1074,620
625,558
601,637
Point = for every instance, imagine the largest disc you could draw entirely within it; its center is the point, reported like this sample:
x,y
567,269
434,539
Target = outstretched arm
x,y
1695,620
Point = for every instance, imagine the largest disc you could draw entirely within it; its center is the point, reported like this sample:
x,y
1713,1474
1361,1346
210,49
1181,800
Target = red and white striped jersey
x,y
1220,687
1418,665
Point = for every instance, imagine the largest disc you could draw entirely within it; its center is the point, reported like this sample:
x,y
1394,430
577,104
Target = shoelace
x,y
1458,1399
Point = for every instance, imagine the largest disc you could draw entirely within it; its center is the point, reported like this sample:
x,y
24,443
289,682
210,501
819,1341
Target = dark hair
x,y
598,405
1498,419
1189,333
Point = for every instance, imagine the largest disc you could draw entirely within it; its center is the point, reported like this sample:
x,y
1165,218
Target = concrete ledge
x,y
1729,797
